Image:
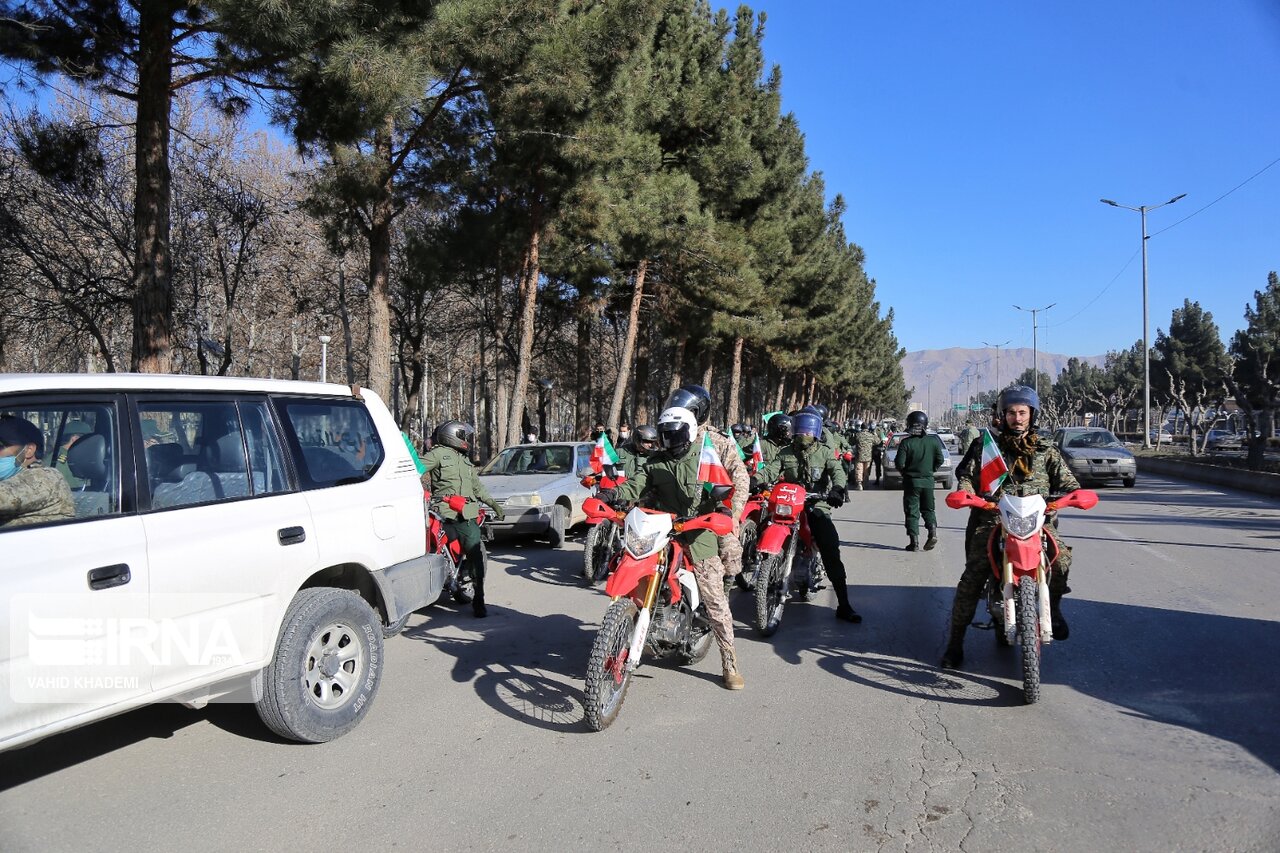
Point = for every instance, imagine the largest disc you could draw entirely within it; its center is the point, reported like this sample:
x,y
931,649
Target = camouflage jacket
x,y
1049,474
448,472
727,448
866,440
967,437
35,495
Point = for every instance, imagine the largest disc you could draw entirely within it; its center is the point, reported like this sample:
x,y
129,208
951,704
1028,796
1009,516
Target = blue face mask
x,y
8,466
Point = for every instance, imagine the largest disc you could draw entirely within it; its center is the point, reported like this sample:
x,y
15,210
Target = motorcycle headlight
x,y
1021,526
640,545
784,510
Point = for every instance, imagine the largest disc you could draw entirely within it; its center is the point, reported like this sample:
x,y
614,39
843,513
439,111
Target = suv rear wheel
x,y
326,668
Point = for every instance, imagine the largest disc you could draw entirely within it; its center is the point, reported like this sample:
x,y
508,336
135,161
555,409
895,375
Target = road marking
x,y
1139,545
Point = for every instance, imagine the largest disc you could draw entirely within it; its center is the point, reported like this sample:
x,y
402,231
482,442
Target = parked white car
x,y
231,537
946,475
540,489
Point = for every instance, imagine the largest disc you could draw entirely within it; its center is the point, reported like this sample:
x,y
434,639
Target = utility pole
x,y
997,346
1035,343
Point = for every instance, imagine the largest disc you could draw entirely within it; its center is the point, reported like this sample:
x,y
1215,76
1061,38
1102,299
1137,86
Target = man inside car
x,y
29,492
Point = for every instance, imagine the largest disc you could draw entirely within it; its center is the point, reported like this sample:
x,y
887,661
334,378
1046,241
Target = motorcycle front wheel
x,y
1029,636
749,536
771,593
608,675
595,552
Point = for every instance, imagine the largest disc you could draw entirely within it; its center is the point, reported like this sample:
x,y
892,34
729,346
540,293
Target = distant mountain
x,y
933,372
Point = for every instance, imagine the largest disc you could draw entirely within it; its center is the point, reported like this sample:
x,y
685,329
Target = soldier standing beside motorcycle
x,y
808,462
448,471
918,457
1035,467
696,399
670,481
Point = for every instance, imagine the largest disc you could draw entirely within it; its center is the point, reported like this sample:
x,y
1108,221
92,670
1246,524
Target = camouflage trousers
x,y
977,568
861,469
710,576
731,554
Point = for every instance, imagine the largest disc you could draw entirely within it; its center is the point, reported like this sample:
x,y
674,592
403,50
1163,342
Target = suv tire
x,y
326,669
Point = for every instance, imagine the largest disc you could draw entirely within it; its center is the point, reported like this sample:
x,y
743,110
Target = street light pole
x,y
324,357
928,399
1035,343
997,346
1146,347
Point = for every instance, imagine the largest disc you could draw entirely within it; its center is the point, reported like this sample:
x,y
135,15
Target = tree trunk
x,y
528,307
677,363
708,366
628,346
781,389
152,287
735,382
380,217
640,387
585,310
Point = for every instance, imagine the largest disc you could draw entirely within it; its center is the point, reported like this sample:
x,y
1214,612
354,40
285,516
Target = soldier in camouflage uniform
x,y
968,435
669,482
448,471
696,399
808,462
864,442
29,492
1035,467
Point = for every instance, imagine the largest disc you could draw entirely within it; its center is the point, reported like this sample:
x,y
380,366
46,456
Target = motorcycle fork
x,y
653,583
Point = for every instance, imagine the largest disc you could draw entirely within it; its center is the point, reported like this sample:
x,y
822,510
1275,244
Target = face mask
x,y
624,435
8,466
803,442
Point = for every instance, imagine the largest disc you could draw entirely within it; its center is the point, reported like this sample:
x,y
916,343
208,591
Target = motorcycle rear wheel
x,y
608,676
1029,636
770,593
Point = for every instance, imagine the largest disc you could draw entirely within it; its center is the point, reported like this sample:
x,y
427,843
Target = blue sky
x,y
973,142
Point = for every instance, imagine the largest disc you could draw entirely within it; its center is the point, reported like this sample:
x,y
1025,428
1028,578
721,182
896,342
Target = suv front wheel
x,y
326,668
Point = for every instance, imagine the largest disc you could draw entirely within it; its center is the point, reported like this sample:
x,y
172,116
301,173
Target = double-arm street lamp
x,y
1035,343
1146,348
997,346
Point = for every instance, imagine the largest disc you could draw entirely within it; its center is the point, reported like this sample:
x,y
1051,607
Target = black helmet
x,y
917,422
819,410
692,397
644,439
832,425
1014,395
780,428
455,434
806,423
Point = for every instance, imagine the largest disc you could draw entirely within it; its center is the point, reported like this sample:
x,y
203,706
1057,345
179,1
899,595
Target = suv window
x,y
202,452
81,442
338,442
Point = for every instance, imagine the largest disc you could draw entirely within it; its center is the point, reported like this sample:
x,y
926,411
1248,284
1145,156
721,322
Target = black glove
x,y
607,495
835,497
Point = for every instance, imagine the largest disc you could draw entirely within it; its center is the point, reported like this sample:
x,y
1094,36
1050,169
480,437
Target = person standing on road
x,y
919,456
864,442
968,435
448,471
696,399
670,481
808,462
29,492
877,451
1035,468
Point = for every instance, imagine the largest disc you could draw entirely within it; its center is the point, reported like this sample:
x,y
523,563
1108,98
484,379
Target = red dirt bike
x,y
656,608
603,543
460,587
788,562
1022,555
749,534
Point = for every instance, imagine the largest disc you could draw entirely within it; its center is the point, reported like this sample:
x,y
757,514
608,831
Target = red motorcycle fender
x,y
630,571
1024,554
773,538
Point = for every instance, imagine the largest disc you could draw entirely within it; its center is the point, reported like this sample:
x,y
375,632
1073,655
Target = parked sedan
x,y
946,475
539,487
1221,439
1096,455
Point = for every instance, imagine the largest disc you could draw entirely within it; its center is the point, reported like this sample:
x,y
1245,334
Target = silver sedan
x,y
1096,455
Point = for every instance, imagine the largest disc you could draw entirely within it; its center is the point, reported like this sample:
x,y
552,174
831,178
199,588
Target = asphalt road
x,y
1157,729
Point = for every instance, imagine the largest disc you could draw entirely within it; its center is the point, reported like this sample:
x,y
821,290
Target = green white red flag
x,y
757,456
711,470
603,454
994,470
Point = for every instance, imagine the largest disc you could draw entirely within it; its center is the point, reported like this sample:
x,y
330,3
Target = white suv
x,y
231,538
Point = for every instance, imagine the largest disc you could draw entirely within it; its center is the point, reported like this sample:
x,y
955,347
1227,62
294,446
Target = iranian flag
x,y
711,470
603,454
757,456
994,470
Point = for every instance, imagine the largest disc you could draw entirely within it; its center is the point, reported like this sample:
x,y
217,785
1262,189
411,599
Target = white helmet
x,y
676,428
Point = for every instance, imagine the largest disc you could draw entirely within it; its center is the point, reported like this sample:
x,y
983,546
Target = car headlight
x,y
1021,526
524,500
640,545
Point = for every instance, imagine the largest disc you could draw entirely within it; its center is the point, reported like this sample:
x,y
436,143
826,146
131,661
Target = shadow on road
x,y
1208,673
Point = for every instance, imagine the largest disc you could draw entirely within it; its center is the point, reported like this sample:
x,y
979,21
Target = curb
x,y
1259,482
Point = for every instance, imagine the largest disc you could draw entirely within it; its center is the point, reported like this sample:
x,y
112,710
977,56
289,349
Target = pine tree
x,y
1254,380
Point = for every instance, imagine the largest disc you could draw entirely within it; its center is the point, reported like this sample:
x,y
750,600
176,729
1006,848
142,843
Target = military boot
x,y
913,545
932,541
732,678
1060,628
954,655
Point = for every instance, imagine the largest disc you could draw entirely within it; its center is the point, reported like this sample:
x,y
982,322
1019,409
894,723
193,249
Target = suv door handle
x,y
291,535
105,577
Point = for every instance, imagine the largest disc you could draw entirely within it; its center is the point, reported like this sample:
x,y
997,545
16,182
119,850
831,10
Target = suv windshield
x,y
1091,438
538,459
